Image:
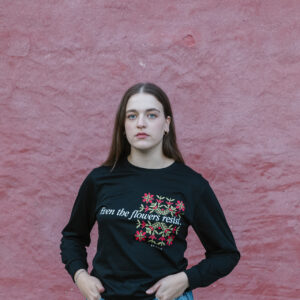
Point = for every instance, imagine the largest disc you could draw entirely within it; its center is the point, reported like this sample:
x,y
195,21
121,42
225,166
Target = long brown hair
x,y
120,148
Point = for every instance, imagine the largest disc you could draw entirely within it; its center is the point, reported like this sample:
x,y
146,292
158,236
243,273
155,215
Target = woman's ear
x,y
168,121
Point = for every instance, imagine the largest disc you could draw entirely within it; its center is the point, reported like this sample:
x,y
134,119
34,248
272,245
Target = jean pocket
x,y
186,296
189,295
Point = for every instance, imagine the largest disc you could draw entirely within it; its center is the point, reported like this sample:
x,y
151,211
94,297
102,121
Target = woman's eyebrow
x,y
149,109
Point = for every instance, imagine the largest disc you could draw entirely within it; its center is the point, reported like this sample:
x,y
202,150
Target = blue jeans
x,y
185,296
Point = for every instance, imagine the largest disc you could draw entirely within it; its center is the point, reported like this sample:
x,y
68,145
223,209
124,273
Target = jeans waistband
x,y
185,296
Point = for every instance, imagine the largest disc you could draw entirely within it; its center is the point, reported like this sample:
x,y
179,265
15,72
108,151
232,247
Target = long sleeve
x,y
210,225
76,234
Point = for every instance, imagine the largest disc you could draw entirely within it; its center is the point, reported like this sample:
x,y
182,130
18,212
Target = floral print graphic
x,y
148,198
159,233
162,207
140,236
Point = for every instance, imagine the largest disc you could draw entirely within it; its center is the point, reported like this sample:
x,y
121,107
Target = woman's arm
x,y
76,234
76,237
212,229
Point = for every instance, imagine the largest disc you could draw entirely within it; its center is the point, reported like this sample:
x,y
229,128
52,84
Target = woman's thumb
x,y
100,287
153,288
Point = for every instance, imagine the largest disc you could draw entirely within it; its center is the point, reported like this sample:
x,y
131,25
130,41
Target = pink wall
x,y
232,72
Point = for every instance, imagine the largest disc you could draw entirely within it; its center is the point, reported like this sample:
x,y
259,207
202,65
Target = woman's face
x,y
145,114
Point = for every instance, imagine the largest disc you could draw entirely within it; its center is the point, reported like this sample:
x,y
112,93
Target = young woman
x,y
143,198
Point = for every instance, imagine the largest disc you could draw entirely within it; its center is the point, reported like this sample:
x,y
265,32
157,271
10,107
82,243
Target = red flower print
x,y
171,209
170,240
180,205
147,198
158,233
140,236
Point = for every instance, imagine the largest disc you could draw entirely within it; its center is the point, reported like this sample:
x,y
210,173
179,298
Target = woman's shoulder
x,y
100,170
192,174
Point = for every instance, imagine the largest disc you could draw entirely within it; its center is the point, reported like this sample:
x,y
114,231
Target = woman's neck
x,y
149,161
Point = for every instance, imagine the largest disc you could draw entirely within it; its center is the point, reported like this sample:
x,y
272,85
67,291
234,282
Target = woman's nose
x,y
141,121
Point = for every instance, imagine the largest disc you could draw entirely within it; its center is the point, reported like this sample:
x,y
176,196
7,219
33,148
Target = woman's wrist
x,y
77,273
186,279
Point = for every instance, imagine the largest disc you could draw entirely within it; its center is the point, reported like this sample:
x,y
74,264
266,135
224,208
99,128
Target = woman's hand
x,y
170,287
89,286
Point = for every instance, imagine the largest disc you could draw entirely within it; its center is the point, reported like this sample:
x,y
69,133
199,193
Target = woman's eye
x,y
152,116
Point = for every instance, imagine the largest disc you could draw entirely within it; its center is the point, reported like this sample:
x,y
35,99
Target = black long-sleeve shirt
x,y
143,217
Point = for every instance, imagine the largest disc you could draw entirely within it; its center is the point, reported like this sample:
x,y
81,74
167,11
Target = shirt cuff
x,y
192,275
75,266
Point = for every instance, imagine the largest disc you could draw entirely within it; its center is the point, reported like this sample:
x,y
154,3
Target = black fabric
x,y
143,217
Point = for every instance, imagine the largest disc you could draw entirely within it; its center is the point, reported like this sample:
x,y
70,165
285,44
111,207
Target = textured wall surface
x,y
232,72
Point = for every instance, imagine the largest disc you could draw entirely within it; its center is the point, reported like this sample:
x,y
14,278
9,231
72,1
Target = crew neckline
x,y
149,170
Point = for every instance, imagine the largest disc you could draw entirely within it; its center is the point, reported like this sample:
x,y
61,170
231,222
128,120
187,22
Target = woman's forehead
x,y
143,102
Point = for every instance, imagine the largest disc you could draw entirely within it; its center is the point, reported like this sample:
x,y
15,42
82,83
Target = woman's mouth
x,y
141,135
